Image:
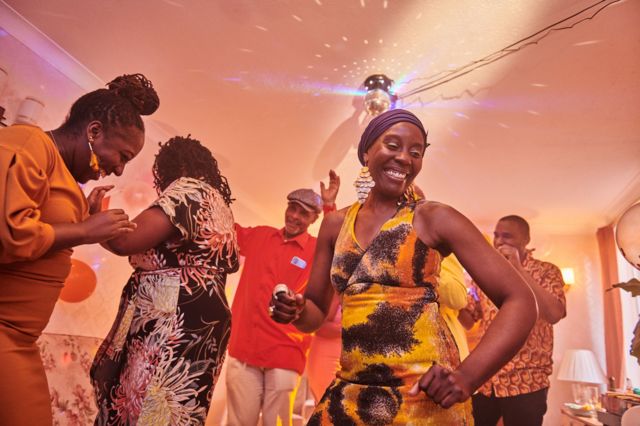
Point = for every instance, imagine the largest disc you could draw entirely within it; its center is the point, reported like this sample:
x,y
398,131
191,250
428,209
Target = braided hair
x,y
120,105
187,157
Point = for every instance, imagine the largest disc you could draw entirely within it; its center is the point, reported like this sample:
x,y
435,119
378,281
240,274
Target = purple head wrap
x,y
381,123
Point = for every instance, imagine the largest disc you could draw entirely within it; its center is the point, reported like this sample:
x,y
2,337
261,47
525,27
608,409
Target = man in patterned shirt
x,y
518,392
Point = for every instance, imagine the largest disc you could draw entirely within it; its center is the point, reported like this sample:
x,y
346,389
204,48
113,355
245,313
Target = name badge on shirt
x,y
300,263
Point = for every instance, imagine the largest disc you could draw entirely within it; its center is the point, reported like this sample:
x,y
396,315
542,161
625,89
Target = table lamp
x,y
581,367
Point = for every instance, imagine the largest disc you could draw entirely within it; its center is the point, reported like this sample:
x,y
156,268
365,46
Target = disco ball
x,y
628,235
380,96
377,101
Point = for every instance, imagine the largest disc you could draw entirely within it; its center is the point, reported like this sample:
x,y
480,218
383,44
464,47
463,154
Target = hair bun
x,y
138,90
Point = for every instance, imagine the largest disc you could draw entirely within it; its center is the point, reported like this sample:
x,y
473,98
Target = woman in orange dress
x,y
382,257
44,213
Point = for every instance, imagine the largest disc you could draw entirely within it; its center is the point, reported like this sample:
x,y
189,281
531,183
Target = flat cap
x,y
307,198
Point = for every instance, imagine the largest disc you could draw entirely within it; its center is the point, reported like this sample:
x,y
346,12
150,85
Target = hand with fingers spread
x,y
330,192
96,196
445,387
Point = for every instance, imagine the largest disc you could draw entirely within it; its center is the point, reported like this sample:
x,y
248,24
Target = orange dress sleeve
x,y
24,187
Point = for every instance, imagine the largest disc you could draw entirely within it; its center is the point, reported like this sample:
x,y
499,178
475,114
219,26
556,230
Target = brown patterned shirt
x,y
529,370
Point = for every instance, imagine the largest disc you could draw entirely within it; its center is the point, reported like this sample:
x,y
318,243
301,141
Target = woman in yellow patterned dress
x,y
382,256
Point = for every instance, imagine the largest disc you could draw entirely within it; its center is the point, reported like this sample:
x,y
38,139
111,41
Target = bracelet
x,y
328,208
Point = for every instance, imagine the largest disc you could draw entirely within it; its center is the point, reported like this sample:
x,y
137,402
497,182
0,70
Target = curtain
x,y
613,337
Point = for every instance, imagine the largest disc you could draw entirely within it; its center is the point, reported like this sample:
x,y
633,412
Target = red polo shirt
x,y
270,259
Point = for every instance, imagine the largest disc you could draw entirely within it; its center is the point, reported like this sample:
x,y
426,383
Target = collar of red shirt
x,y
301,239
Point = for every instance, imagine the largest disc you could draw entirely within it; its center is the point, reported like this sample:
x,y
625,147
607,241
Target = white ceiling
x,y
551,132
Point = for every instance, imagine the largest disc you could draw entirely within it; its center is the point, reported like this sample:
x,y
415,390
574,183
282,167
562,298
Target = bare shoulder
x,y
432,212
336,215
437,224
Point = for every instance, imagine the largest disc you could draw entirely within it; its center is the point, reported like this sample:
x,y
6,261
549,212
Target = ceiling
x,y
550,131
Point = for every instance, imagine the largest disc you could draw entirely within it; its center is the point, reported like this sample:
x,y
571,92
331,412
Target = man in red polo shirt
x,y
266,359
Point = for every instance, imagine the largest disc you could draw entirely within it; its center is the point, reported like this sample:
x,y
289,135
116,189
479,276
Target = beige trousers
x,y
253,389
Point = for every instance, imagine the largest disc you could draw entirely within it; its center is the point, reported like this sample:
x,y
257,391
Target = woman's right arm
x,y
308,312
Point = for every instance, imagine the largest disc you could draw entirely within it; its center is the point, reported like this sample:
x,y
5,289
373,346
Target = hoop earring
x,y
364,182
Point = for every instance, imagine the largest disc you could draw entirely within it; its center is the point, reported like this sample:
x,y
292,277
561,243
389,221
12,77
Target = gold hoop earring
x,y
364,182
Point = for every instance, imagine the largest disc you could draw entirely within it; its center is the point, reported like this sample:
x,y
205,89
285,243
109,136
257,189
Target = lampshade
x,y
580,365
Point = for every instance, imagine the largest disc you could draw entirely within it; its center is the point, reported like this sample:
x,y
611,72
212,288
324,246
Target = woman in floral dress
x,y
161,359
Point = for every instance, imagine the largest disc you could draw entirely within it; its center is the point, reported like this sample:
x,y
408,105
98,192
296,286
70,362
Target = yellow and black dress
x,y
392,331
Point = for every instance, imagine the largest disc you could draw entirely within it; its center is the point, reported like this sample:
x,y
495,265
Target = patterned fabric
x,y
529,370
392,331
162,357
67,360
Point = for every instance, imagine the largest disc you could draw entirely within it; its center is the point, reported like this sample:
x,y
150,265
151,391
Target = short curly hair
x,y
187,157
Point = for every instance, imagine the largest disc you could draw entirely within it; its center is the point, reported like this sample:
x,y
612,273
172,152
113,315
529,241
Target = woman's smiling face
x,y
395,158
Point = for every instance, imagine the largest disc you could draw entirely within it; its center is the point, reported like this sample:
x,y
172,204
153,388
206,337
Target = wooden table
x,y
570,419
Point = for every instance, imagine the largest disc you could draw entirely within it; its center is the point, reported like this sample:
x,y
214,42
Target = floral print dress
x,y
159,363
392,331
